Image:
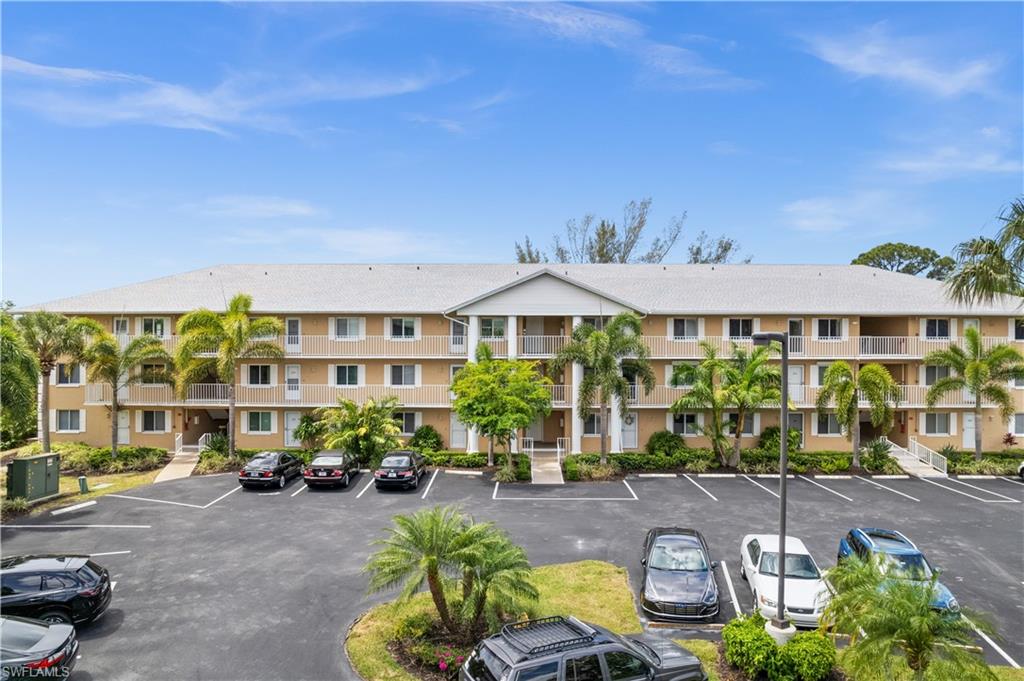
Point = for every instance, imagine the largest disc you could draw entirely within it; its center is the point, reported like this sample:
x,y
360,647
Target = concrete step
x,y
545,469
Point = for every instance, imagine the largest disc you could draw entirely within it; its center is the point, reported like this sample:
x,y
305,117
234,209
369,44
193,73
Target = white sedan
x,y
806,592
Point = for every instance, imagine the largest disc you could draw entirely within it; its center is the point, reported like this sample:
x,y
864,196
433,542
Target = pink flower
x,y
458,660
443,665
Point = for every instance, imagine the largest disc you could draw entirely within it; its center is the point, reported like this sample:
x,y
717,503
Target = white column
x,y
472,340
576,427
512,336
615,425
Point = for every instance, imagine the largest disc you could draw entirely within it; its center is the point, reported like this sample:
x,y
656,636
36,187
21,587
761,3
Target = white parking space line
x,y
109,553
363,490
76,507
760,485
222,496
68,525
430,484
300,490
699,487
732,591
494,494
1016,482
155,501
818,484
890,489
982,489
1002,653
635,497
984,501
113,585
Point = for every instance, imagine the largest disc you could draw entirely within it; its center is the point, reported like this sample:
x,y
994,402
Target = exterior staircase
x,y
918,460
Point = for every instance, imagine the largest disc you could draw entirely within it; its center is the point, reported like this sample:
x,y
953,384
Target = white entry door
x,y
796,382
629,427
968,441
293,335
291,422
458,337
456,433
533,341
124,430
292,382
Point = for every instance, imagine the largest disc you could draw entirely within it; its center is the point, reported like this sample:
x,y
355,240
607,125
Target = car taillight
x,y
241,472
91,591
406,473
335,472
46,663
268,474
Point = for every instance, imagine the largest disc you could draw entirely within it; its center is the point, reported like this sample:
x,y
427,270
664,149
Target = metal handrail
x,y
561,447
204,441
929,456
528,447
178,443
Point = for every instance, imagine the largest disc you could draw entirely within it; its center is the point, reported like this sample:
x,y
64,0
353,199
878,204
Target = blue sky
x,y
145,139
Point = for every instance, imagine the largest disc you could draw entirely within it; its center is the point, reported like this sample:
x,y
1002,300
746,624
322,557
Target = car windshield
x,y
394,462
907,565
642,648
798,566
669,554
262,460
19,635
327,461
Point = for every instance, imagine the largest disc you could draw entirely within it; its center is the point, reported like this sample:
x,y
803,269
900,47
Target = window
x,y
346,327
68,420
20,584
741,328
830,328
54,582
259,374
120,326
154,421
403,327
1018,424
754,549
821,369
583,669
624,667
260,421
828,424
406,421
748,423
1018,329
403,374
592,424
684,424
69,374
936,424
543,672
936,328
153,325
492,327
147,374
684,328
596,322
346,374
677,377
933,373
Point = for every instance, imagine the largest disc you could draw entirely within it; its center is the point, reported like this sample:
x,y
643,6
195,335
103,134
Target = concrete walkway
x,y
546,469
181,466
912,465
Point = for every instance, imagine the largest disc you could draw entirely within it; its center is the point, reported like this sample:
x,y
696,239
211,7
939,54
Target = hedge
x,y
455,459
808,656
992,463
83,459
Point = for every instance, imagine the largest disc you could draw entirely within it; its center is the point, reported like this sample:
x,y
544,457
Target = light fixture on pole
x,y
779,627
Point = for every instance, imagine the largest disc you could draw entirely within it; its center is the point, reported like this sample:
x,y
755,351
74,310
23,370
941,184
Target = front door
x,y
968,441
293,334
536,429
458,337
629,428
796,422
456,433
123,427
455,368
292,382
796,382
291,422
533,341
796,336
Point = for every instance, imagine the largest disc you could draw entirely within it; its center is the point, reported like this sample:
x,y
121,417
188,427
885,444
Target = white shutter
x,y
952,327
669,421
244,425
138,326
700,327
82,368
361,374
814,423
668,374
245,374
1011,331
924,327
361,323
168,423
53,374
921,423
387,374
757,424
668,329
330,328
273,374
846,328
138,420
273,422
387,327
952,423
332,375
419,375
725,327
53,420
418,418
416,328
167,327
81,420
922,374
814,328
757,324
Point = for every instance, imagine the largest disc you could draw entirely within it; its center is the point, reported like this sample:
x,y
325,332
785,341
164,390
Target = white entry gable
x,y
544,293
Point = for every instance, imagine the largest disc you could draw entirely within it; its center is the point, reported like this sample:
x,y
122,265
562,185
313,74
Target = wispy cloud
x,y
875,53
447,124
872,211
724,148
250,206
370,243
492,100
946,154
92,97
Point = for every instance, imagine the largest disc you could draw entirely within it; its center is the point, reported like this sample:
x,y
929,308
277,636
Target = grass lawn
x,y
593,591
69,488
707,651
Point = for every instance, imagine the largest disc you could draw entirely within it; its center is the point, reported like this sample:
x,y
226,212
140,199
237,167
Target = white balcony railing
x,y
305,395
541,346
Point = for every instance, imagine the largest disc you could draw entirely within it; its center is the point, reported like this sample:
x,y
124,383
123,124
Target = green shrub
x,y
463,460
426,439
875,458
808,656
12,507
748,646
771,438
987,466
597,471
78,457
665,442
218,442
571,468
524,471
505,474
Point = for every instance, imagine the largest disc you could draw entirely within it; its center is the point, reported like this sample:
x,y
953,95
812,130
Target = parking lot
x,y
215,582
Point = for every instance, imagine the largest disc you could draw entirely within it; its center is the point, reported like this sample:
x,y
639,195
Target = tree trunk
x,y
734,461
478,615
231,420
113,424
605,413
490,451
855,438
977,429
437,594
43,401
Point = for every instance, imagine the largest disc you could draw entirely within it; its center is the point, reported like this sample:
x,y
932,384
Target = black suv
x,y
566,649
60,589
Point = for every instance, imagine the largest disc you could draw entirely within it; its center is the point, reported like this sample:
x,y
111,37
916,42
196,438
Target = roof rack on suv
x,y
547,634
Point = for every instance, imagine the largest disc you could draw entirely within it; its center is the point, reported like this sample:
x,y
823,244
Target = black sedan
x,y
268,469
34,649
331,467
679,578
59,589
400,469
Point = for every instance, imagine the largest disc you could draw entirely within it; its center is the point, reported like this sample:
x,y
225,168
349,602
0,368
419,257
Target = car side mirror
x,y
714,565
937,569
643,561
650,674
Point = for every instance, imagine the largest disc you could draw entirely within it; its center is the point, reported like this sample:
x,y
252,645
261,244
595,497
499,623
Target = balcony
x,y
911,397
541,346
306,395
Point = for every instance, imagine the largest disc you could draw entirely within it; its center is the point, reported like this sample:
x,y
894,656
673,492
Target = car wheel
x,y
283,481
55,617
743,572
345,481
415,482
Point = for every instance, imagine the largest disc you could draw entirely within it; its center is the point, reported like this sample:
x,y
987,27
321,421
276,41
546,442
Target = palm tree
x,y
232,337
52,337
496,582
984,373
430,547
19,373
872,383
601,354
750,383
368,431
889,620
988,268
119,368
705,393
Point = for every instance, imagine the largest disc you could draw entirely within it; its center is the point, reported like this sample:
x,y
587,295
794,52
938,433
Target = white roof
x,y
436,288
770,543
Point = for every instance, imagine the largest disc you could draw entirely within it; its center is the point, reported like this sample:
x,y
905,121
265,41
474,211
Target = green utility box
x,y
34,477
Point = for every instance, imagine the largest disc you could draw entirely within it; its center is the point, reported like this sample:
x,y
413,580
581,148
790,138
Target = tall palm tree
x,y
430,547
889,620
873,383
232,336
601,354
119,368
496,582
705,393
984,373
52,337
987,268
750,383
368,430
19,373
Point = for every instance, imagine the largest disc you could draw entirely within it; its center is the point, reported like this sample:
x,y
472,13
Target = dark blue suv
x,y
899,555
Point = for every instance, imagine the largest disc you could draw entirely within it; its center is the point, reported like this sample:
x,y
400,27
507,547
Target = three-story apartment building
x,y
360,331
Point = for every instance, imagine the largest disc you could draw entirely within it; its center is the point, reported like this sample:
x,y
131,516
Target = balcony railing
x,y
911,396
305,395
541,346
